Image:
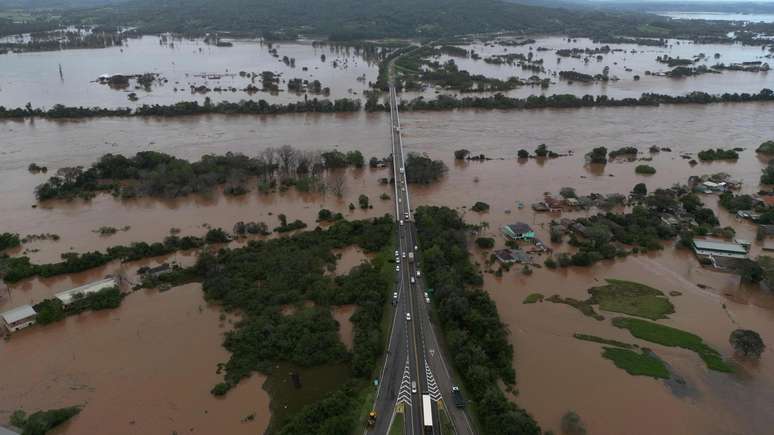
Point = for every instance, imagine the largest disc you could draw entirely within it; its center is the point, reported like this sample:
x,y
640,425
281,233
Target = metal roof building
x,y
19,317
708,247
68,296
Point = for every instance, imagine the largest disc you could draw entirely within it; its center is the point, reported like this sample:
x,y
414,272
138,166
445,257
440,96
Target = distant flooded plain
x,y
185,63
555,372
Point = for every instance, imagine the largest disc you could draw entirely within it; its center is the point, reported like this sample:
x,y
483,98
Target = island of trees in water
x,y
374,103
155,174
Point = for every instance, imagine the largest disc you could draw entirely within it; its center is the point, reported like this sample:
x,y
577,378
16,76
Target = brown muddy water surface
x,y
555,372
34,77
144,368
624,62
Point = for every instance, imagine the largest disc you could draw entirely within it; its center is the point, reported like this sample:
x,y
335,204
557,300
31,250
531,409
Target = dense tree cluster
x,y
9,240
52,310
151,173
718,154
14,269
261,277
333,415
41,422
421,169
502,102
747,343
183,108
476,337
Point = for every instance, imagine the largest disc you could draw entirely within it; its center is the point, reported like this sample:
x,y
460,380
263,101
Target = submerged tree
x,y
747,342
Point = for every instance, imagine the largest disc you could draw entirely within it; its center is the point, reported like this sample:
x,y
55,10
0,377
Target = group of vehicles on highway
x,y
406,257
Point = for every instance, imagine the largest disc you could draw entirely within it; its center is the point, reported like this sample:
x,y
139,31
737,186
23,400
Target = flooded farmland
x,y
192,70
183,63
173,333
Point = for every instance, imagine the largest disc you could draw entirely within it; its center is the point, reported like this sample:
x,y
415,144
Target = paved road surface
x,y
414,365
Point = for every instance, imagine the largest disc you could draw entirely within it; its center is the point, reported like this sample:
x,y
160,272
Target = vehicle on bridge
x,y
427,414
411,257
459,401
371,418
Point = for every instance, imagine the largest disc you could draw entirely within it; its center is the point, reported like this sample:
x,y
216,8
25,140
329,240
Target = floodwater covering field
x,y
624,62
556,372
34,77
718,16
150,364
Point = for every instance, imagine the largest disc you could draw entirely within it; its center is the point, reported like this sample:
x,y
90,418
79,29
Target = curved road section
x,y
414,396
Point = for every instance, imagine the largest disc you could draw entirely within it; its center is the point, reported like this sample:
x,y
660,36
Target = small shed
x,y
509,256
19,318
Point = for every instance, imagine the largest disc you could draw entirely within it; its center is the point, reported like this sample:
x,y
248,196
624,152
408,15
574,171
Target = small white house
x,y
19,318
67,297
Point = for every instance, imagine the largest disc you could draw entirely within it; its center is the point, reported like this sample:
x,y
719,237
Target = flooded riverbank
x,y
556,372
146,367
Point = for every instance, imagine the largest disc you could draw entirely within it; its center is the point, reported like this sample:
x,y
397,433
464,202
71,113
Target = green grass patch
x,y
398,423
446,425
316,383
366,396
583,306
637,364
533,297
631,298
652,30
673,337
595,339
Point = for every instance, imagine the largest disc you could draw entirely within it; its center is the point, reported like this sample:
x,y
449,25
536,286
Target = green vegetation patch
x,y
397,425
673,337
584,307
631,298
621,297
337,412
718,154
595,339
766,148
645,170
316,384
637,364
533,297
9,240
40,422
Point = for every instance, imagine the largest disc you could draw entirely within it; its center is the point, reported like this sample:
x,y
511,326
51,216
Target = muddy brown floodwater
x,y
34,77
556,373
146,367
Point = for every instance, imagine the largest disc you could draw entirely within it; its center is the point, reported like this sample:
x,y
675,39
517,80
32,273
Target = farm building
x,y
67,297
19,318
718,248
